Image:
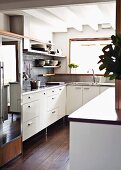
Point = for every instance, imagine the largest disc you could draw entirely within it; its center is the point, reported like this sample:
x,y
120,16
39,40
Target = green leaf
x,y
102,66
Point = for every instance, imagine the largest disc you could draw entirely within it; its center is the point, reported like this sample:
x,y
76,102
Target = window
x,y
86,54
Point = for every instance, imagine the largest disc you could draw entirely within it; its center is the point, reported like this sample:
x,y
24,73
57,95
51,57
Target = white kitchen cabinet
x,y
34,110
56,101
74,98
103,88
51,117
30,128
15,97
52,102
52,106
89,92
62,102
42,108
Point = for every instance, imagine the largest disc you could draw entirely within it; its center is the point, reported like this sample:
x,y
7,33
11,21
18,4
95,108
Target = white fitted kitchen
x,y
57,84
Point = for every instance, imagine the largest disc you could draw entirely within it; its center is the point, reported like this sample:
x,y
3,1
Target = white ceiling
x,y
60,18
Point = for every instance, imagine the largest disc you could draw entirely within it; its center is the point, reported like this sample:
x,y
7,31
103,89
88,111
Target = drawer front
x,y
60,89
52,102
30,128
52,116
31,97
31,110
52,91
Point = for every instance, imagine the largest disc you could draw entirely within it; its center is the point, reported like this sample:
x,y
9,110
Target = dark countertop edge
x,y
106,122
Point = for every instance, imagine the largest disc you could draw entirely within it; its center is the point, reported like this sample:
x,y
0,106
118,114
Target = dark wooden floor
x,y
43,152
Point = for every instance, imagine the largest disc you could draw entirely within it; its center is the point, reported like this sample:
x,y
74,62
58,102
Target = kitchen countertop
x,y
99,110
28,89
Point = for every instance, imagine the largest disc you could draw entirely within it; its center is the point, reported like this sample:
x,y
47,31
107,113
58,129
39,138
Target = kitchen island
x,y
95,134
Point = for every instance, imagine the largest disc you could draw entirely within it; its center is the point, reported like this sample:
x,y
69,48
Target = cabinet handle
x,y
53,112
53,91
53,98
44,93
78,87
29,106
86,88
29,97
29,123
60,89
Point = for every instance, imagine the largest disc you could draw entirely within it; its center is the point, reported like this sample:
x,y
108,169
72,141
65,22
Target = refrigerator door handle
x,y
1,91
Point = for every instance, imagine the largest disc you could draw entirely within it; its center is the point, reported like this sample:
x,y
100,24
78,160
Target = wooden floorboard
x,y
45,152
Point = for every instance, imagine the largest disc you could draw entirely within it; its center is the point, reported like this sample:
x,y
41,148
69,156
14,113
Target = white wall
x,y
61,40
40,30
4,22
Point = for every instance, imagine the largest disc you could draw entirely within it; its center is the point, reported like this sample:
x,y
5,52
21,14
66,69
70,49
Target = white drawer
x,y
31,97
52,91
52,102
60,89
52,116
31,110
30,128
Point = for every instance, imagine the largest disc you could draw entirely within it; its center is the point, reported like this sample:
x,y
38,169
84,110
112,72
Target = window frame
x,y
85,39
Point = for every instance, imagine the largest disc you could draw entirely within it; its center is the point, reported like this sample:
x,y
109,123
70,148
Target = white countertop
x,y
29,91
101,108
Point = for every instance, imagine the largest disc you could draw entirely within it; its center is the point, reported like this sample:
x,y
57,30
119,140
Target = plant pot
x,y
117,94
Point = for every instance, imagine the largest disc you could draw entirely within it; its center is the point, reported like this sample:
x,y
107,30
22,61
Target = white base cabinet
x,y
77,96
41,109
89,92
34,109
74,98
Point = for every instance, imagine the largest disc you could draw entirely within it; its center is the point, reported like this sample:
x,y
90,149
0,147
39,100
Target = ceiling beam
x,y
53,22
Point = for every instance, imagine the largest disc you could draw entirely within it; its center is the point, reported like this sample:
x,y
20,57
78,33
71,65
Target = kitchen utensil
x,y
53,62
33,84
38,83
39,62
47,62
39,47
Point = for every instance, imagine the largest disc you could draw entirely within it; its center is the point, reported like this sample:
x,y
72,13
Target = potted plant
x,y
111,62
73,66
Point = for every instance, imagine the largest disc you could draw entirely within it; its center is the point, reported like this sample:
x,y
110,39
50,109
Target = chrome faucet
x,y
94,77
93,74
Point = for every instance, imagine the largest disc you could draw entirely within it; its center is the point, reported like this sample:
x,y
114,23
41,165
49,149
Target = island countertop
x,y
99,110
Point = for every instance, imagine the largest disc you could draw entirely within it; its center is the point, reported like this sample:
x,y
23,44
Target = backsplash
x,y
77,78
32,71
